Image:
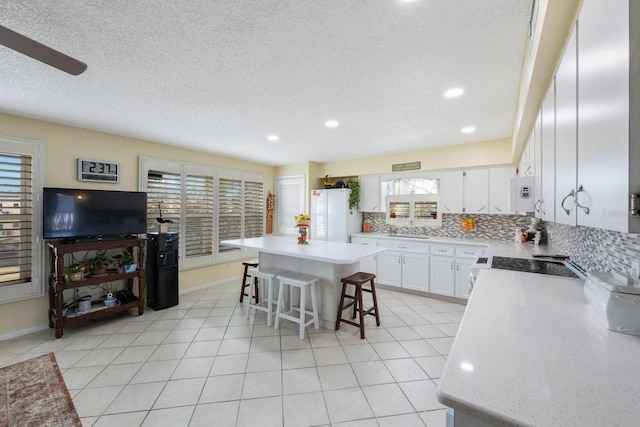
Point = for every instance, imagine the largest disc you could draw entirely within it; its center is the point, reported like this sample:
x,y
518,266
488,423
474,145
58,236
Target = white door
x,y
415,271
441,275
463,270
499,189
566,133
451,192
390,268
548,155
476,191
290,191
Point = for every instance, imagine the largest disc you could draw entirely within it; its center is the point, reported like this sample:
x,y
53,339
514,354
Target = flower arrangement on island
x,y
302,223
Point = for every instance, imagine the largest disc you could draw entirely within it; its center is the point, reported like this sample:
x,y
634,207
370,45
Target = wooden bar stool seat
x,y
247,265
358,280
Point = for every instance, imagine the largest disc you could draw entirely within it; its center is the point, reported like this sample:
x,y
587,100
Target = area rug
x,y
34,394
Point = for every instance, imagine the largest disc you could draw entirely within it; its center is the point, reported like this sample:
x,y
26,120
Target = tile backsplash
x,y
590,248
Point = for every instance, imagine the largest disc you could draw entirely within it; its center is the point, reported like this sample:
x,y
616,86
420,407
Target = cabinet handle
x,y
457,267
451,265
572,193
399,262
575,200
536,205
497,208
482,208
404,260
447,208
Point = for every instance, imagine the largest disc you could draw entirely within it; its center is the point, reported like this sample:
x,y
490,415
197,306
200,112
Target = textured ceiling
x,y
219,76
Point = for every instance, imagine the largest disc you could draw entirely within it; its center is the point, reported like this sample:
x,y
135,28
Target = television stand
x,y
57,284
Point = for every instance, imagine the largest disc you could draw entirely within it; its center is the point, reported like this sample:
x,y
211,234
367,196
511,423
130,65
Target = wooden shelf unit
x,y
57,284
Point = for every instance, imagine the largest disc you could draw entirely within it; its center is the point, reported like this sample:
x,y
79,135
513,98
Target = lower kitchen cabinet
x,y
369,264
450,267
404,265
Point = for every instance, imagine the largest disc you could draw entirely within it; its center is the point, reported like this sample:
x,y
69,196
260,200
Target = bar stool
x,y
267,276
302,282
358,279
247,265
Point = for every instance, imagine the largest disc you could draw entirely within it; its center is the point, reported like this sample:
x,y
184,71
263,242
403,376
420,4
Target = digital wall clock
x,y
98,171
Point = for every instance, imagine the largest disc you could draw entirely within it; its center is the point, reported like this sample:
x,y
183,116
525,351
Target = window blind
x,y
229,211
199,215
253,209
163,193
16,193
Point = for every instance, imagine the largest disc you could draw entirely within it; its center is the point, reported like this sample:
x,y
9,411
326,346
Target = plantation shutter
x,y
199,216
163,192
253,209
229,211
16,189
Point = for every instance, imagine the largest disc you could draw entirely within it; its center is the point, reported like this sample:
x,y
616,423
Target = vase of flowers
x,y
302,224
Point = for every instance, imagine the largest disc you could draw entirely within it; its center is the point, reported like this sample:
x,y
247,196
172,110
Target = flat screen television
x,y
92,214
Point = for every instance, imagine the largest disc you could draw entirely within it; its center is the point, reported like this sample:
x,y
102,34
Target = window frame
x,y
36,287
183,169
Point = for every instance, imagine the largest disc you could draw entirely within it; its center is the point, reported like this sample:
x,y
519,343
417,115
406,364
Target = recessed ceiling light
x,y
331,123
452,93
468,129
272,137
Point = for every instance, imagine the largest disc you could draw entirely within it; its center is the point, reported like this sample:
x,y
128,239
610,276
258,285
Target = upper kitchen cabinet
x,y
451,188
370,200
608,125
566,122
499,189
548,141
476,191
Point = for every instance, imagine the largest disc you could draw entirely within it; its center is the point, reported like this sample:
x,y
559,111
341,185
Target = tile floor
x,y
203,363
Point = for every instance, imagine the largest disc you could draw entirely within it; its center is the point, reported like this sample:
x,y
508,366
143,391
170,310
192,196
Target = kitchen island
x,y
529,352
329,261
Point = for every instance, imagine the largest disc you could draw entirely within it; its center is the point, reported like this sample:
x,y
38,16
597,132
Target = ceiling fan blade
x,y
42,53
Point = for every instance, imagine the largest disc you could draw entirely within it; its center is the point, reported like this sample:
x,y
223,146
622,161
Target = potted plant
x,y
74,273
100,265
124,260
354,197
163,223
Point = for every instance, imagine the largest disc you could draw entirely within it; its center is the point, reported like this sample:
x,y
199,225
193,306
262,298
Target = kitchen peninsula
x,y
329,261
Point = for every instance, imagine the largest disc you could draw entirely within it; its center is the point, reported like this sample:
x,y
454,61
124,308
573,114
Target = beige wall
x,y
63,145
480,154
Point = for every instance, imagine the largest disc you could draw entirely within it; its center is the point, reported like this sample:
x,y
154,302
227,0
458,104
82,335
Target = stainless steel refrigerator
x,y
331,218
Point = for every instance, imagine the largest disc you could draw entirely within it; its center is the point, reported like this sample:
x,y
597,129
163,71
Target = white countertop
x,y
495,247
317,250
529,351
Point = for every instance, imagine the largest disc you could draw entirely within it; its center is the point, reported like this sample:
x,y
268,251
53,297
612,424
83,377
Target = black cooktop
x,y
554,268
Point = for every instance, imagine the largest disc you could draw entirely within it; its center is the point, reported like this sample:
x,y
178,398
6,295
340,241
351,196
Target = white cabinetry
x,y
537,164
547,205
608,128
499,189
451,189
370,200
370,263
566,134
476,191
404,264
450,268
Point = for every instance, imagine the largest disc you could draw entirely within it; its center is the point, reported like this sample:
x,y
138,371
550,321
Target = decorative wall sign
x,y
98,171
400,167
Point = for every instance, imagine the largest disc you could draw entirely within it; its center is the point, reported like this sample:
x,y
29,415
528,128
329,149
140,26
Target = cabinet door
x,y
451,192
415,272
566,133
390,268
369,193
537,164
370,263
441,275
603,114
476,191
499,189
548,155
463,271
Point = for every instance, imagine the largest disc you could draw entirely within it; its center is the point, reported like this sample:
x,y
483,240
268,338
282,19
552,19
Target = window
x,y
205,205
21,164
289,203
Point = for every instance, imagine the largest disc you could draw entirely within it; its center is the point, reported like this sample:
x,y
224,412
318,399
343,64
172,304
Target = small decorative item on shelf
x,y
468,224
163,224
302,223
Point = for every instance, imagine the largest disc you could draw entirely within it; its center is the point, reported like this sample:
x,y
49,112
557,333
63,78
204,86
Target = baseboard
x,y
23,332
